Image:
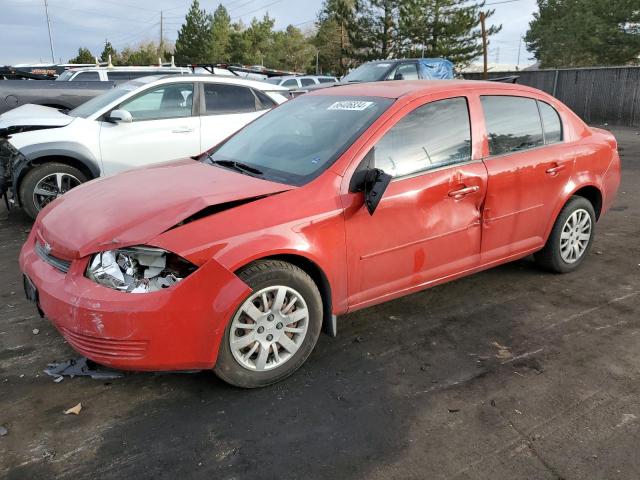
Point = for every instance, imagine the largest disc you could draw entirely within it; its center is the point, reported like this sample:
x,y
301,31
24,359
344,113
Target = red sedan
x,y
334,201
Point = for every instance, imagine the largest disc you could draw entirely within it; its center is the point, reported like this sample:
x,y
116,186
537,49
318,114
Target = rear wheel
x,y
571,237
44,183
274,330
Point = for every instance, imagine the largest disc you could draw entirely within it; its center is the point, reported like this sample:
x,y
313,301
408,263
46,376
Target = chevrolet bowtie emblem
x,y
47,248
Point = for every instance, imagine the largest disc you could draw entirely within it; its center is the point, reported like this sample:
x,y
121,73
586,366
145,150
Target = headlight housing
x,y
138,269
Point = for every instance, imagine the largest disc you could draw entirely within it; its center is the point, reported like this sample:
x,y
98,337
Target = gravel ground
x,y
511,373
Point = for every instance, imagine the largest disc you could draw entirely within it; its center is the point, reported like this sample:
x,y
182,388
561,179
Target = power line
x,y
257,9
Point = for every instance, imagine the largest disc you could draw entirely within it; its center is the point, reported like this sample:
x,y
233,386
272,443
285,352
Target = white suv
x,y
44,152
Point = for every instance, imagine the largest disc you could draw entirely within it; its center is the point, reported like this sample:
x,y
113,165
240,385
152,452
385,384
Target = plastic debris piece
x,y
80,367
35,331
3,431
74,410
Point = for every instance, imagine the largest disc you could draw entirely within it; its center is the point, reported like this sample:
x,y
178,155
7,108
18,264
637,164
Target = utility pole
x,y
46,10
484,45
519,47
161,36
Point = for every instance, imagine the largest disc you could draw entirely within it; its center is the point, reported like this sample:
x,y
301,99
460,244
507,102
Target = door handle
x,y
463,192
553,171
182,130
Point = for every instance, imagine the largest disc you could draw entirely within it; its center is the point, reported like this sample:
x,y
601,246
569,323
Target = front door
x,y
164,128
427,225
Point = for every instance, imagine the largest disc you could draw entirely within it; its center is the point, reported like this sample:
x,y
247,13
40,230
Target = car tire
x,y
71,177
568,245
242,367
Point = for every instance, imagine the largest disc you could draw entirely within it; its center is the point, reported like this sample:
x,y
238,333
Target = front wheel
x,y
571,237
44,183
275,328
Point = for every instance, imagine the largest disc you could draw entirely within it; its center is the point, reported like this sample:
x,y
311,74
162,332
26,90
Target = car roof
x,y
258,85
401,88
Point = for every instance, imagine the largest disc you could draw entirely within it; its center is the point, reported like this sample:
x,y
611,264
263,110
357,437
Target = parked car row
x,y
236,259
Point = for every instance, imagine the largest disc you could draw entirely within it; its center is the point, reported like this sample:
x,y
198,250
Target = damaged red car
x,y
335,201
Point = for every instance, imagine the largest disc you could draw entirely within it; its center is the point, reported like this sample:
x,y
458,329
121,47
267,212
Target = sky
x,y
74,23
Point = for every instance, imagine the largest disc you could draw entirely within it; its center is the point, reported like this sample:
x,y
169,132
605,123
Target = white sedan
x,y
45,152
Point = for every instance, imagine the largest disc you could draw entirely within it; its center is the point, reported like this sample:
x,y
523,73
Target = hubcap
x,y
51,187
269,328
575,236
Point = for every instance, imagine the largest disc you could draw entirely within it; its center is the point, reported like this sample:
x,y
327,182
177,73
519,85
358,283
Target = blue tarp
x,y
438,68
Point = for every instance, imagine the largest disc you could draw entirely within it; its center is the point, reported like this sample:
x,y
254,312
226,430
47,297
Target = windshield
x,y
369,72
97,103
64,76
300,139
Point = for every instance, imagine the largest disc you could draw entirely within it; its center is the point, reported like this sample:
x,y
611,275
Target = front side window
x,y
220,99
87,77
166,101
431,136
551,123
368,72
292,82
300,139
307,82
513,124
405,71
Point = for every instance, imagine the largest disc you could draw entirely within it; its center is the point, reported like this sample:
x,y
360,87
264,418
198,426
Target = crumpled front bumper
x,y
179,328
12,162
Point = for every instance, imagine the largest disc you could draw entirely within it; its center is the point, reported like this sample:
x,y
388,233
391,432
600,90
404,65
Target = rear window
x,y
551,123
513,124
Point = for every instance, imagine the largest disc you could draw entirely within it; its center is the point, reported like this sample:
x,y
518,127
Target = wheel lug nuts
x,y
269,337
279,326
270,317
260,329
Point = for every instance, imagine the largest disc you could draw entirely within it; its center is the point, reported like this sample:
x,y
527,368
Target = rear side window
x,y
405,71
431,136
307,82
327,80
225,99
292,82
88,77
551,123
119,75
513,124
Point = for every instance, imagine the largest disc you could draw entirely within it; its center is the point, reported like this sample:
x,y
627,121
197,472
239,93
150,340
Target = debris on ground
x,y
80,367
503,352
74,410
35,331
3,431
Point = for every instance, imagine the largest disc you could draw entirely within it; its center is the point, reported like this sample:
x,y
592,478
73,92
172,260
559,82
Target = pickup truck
x,y
73,87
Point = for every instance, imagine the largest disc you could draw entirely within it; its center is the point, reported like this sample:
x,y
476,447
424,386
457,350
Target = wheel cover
x,y
269,328
51,187
575,236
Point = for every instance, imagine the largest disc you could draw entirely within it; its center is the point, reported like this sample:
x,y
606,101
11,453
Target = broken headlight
x,y
138,269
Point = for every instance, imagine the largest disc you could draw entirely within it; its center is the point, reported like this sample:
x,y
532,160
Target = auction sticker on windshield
x,y
351,105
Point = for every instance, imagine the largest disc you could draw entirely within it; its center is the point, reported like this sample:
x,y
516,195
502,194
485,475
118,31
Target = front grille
x,y
58,263
107,348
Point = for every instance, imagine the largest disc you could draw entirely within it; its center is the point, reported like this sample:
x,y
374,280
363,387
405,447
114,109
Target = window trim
x,y
441,167
147,90
203,104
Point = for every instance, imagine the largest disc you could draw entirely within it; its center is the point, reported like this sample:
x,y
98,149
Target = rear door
x,y
164,128
226,108
528,168
427,225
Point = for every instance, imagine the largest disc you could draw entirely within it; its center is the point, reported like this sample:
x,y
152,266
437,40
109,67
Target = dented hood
x,y
134,207
34,116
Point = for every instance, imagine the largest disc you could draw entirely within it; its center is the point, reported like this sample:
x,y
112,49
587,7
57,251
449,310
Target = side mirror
x,y
372,181
119,116
398,76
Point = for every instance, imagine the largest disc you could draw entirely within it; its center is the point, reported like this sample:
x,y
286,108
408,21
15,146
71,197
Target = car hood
x,y
134,207
35,116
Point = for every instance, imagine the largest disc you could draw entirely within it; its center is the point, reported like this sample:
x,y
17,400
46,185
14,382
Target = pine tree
x,y
193,38
443,28
220,36
376,29
84,56
108,50
580,33
337,29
